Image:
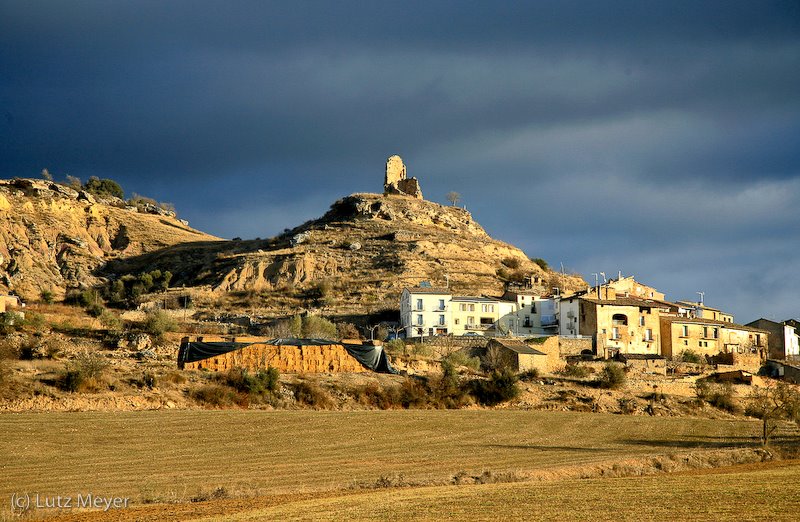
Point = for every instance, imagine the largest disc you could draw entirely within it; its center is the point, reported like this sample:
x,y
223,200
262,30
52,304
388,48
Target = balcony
x,y
478,327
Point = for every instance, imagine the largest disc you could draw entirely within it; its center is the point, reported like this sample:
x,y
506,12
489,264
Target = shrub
x,y
511,262
576,370
496,359
95,310
318,328
689,356
500,387
396,346
158,322
311,394
612,377
34,321
718,395
529,375
110,320
215,395
104,187
422,350
347,331
541,262
10,322
260,384
460,358
147,380
84,373
46,297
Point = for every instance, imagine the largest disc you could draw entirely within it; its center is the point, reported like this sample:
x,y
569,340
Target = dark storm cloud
x,y
637,118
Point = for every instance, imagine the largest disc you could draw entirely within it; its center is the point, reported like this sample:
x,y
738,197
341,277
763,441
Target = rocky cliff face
x,y
53,237
357,257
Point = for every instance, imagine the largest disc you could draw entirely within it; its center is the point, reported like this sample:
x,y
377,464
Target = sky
x,y
659,139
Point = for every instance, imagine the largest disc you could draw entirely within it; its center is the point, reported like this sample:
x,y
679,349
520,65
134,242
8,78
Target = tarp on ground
x,y
371,357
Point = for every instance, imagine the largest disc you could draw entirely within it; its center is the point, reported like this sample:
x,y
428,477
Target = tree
x,y
46,175
453,197
104,187
772,403
74,182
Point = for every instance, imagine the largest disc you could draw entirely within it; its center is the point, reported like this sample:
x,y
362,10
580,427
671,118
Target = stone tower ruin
x,y
396,182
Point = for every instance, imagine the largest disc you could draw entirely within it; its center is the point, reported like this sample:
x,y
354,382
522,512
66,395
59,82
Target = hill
x,y
355,259
53,237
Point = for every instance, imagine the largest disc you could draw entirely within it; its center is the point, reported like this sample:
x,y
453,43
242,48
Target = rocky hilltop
x,y
355,259
53,237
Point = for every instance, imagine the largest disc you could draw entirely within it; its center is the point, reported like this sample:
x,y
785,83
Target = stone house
x,y
617,324
708,337
519,356
535,315
783,338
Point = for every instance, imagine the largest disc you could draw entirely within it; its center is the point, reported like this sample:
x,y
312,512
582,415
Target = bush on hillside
x,y
158,322
501,386
104,187
84,373
612,377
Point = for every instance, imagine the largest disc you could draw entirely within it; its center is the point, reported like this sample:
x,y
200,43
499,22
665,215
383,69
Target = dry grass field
x,y
303,461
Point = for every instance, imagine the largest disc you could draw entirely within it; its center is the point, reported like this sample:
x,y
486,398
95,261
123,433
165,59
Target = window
x,y
641,320
705,332
463,307
456,321
533,308
419,304
441,304
685,342
419,319
441,320
685,331
715,333
470,320
648,334
471,307
619,320
615,333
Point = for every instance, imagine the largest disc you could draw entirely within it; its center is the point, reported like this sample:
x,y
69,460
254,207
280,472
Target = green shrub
x,y
258,385
347,331
158,322
46,297
422,349
84,372
34,321
501,386
612,377
511,262
576,370
689,356
541,262
315,327
10,322
395,346
460,358
104,187
95,310
110,320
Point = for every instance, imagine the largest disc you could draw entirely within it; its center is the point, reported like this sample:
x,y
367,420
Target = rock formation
x,y
396,182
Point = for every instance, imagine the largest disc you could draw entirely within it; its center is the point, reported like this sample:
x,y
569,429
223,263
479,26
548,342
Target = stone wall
x,y
572,346
286,359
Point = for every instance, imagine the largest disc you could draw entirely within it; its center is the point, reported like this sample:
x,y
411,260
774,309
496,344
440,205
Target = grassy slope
x,y
176,454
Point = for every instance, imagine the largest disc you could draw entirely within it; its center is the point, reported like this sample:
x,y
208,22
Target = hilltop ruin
x,y
396,182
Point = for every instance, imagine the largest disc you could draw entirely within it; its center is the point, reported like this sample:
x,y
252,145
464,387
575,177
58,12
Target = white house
x,y
425,311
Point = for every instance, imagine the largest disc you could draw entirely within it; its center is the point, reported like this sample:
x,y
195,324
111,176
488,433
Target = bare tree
x,y
453,197
772,403
46,175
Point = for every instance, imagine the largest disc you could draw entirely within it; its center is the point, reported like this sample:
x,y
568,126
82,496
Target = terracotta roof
x,y
624,301
517,346
698,320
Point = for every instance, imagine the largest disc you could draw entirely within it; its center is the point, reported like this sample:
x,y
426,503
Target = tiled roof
x,y
699,320
517,346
